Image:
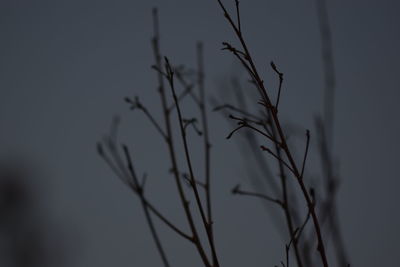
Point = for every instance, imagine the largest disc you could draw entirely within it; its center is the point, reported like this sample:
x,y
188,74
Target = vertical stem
x,y
170,75
328,69
327,129
286,205
145,207
206,140
207,147
154,233
170,143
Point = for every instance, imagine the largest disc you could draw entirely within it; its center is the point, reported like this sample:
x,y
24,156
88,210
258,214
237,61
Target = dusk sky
x,y
66,67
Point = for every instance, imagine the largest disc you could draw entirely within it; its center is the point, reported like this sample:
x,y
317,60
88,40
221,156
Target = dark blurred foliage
x,y
27,238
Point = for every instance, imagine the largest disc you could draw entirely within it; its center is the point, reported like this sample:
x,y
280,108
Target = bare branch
x,y
170,143
136,104
243,112
266,101
189,162
188,90
305,153
244,122
191,122
280,75
238,15
277,157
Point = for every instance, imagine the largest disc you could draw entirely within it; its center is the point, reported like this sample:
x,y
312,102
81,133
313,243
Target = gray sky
x,y
66,66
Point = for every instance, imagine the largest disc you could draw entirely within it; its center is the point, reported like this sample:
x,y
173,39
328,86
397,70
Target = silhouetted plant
x,y
125,170
264,129
327,211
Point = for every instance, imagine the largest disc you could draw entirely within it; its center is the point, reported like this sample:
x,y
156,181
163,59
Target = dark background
x,y
65,67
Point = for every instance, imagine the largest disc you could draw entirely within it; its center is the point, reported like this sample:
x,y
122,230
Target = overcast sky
x,y
65,67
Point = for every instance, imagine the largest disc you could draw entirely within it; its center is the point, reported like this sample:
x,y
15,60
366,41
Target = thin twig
x,y
168,223
280,75
330,206
264,148
170,143
185,176
232,107
244,123
305,153
139,190
234,131
188,90
237,191
238,15
150,222
289,213
268,105
192,122
136,104
328,67
189,162
111,165
206,138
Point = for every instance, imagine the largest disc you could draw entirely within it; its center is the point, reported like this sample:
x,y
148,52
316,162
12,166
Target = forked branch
x,y
270,109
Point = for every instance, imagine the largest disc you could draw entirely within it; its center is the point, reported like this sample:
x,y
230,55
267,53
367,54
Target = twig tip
x,y
235,189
